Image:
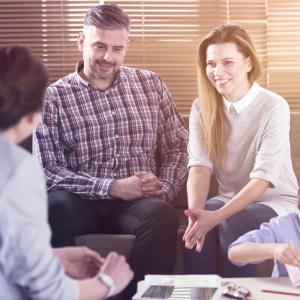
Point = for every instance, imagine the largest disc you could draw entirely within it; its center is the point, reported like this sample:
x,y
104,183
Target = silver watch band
x,y
108,282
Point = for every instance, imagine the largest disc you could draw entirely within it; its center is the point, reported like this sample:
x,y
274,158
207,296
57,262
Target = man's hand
x,y
129,188
200,222
79,262
118,269
287,254
151,185
141,184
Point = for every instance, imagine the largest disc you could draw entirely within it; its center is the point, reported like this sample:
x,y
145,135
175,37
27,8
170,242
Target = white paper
x,y
205,281
294,274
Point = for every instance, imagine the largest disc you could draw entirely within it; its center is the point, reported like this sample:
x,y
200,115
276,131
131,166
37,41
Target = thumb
x,y
188,213
140,173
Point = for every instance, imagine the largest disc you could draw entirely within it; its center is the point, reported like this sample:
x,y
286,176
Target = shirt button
x,y
113,113
116,136
100,193
117,155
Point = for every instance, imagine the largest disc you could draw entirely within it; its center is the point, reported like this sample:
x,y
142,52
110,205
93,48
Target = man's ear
x,y
80,41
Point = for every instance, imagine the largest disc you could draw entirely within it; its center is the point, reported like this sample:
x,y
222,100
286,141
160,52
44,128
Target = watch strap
x,y
108,282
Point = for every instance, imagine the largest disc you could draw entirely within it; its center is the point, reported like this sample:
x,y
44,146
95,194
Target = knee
x,y
159,215
233,228
61,202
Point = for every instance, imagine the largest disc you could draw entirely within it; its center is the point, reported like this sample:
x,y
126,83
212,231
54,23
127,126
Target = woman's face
x,y
227,70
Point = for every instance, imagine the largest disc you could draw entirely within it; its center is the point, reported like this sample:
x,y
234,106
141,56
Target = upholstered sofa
x,y
104,243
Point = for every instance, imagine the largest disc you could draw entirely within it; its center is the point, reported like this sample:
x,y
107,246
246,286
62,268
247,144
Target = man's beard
x,y
103,74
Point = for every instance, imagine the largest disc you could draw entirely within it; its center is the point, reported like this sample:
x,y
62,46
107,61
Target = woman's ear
x,y
249,64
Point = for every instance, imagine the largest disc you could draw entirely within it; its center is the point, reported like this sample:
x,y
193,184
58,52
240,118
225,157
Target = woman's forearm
x,y
198,186
247,195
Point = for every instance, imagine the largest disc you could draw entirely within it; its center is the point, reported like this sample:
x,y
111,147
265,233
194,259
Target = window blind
x,y
164,37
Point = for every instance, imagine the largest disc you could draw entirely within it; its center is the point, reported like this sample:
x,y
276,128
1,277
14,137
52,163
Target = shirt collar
x,y
79,68
241,104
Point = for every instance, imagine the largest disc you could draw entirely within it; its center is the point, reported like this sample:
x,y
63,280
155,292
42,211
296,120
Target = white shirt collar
x,y
241,104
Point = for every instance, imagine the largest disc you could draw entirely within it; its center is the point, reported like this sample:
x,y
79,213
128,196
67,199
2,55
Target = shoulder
x,y
11,157
272,101
16,162
63,83
285,221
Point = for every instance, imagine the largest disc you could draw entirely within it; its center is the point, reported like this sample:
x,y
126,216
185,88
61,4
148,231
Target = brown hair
x,y
23,80
214,127
107,16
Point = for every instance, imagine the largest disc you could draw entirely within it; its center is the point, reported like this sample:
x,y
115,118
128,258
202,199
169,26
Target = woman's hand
x,y
287,254
200,222
79,262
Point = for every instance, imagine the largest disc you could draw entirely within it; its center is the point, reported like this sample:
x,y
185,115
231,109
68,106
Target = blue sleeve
x,y
265,234
280,229
26,257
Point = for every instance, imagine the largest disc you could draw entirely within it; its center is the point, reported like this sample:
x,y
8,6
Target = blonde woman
x,y
239,132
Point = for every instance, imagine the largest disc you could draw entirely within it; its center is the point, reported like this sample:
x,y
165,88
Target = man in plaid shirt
x,y
101,132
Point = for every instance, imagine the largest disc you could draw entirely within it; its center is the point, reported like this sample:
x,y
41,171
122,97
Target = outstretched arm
x,y
206,220
285,253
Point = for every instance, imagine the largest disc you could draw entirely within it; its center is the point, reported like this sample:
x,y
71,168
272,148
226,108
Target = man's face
x,y
103,52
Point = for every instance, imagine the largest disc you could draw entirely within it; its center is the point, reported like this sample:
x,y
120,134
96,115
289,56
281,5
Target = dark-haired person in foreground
x,y
29,267
101,130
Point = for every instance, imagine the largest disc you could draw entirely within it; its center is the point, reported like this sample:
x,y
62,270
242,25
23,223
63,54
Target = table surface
x,y
255,285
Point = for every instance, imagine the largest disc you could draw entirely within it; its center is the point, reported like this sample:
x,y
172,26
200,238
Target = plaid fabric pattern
x,y
88,138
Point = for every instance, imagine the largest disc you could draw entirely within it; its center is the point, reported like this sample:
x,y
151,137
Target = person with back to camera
x,y
29,267
240,132
102,128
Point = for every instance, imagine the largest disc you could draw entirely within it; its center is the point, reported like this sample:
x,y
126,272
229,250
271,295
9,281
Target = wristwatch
x,y
108,282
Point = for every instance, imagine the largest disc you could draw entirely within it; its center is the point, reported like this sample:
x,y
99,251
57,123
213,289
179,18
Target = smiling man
x,y
102,129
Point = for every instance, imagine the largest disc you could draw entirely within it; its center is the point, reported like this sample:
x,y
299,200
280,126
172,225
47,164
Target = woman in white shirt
x,y
29,267
240,132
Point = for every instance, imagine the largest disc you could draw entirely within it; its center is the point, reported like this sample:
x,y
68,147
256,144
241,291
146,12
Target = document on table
x,y
294,274
179,287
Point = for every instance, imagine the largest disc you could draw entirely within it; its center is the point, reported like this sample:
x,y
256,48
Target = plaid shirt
x,y
88,138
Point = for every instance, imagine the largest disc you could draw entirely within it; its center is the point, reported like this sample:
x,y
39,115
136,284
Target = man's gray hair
x,y
107,16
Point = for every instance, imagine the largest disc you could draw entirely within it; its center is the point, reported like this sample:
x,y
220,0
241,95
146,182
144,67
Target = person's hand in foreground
x,y
79,262
116,267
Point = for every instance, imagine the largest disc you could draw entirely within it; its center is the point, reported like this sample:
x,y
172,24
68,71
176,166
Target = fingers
x,y
199,244
150,184
92,254
141,173
292,255
188,228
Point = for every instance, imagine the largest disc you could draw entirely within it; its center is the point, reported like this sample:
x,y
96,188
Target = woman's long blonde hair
x,y
214,125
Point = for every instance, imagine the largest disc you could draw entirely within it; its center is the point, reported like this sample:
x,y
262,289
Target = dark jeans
x,y
152,220
213,257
